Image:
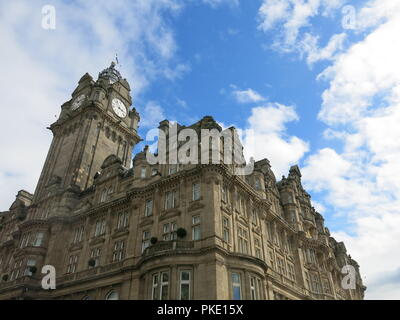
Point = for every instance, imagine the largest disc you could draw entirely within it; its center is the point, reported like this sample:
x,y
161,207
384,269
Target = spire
x,y
111,74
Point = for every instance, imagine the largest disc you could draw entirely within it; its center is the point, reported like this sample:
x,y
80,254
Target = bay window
x,y
236,286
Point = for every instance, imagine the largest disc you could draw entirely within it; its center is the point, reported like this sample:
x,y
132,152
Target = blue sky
x,y
317,82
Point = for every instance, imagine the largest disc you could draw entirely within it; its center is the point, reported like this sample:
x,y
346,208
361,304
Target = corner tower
x,y
98,121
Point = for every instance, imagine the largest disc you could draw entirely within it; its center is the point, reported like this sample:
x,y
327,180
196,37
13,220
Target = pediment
x,y
195,206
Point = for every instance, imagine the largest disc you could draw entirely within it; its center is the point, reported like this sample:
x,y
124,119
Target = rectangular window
x,y
95,255
225,194
100,228
243,240
281,265
38,239
119,251
257,247
29,264
196,191
160,286
270,234
173,168
237,201
145,240
311,257
227,232
78,235
290,245
122,220
169,231
315,285
271,259
196,231
170,200
104,195
16,272
155,287
236,286
291,272
184,293
25,240
148,208
327,287
308,282
254,217
254,290
143,172
72,264
164,285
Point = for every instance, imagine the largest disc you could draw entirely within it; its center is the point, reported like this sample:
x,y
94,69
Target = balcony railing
x,y
24,280
90,272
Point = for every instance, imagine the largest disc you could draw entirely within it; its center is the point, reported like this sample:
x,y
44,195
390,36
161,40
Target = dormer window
x,y
196,191
170,200
173,168
100,228
38,239
143,172
103,196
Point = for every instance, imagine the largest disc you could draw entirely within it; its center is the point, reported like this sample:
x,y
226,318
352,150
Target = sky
x,y
316,82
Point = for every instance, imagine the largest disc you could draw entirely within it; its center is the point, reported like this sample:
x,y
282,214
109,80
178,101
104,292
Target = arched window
x,y
87,298
112,295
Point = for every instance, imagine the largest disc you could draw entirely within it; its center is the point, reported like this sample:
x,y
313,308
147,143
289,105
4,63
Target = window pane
x,y
196,233
165,277
164,292
236,293
185,275
112,296
235,278
185,291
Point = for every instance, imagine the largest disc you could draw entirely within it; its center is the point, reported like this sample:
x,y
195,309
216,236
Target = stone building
x,y
117,228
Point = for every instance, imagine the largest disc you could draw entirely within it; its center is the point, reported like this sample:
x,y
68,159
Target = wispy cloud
x,y
266,136
246,96
46,65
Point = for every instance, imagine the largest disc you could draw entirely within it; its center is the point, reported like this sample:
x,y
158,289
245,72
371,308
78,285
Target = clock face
x,y
119,108
78,102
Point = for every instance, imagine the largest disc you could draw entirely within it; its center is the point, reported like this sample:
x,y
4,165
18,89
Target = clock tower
x,y
97,122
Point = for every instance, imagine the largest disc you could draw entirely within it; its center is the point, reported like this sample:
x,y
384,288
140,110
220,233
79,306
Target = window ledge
x,y
97,240
120,232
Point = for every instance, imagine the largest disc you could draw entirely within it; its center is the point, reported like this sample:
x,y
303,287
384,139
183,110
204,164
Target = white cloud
x,y
246,96
309,47
361,106
292,16
216,3
42,68
265,136
152,114
293,19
